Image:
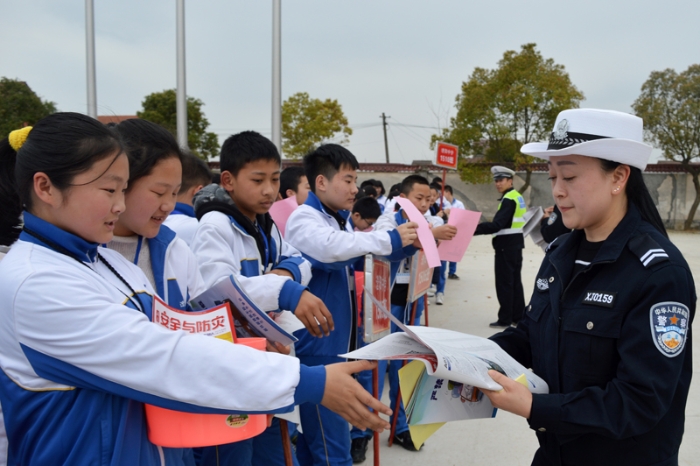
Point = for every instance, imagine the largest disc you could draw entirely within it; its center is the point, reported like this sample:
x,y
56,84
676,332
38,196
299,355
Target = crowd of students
x,y
101,219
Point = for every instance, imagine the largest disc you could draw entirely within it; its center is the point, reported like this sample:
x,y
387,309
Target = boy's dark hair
x,y
216,178
195,171
327,160
369,190
448,188
367,207
437,180
366,183
290,179
146,144
242,148
394,191
435,186
409,181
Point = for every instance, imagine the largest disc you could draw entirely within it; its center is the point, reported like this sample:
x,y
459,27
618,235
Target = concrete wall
x,y
673,193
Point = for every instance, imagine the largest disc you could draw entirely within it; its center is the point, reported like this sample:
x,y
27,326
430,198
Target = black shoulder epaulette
x,y
648,250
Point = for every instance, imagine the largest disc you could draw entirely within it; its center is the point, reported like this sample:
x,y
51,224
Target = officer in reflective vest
x,y
507,229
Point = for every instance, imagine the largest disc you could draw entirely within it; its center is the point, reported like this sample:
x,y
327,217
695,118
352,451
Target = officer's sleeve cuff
x,y
312,383
545,413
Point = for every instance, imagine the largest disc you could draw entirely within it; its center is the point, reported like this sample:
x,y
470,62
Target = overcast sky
x,y
404,58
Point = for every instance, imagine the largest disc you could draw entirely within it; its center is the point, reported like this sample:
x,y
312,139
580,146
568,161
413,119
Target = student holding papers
x,y
608,324
78,353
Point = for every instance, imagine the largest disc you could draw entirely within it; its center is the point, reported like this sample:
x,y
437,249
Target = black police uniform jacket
x,y
614,345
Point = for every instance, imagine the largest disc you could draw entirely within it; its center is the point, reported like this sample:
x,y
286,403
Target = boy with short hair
x,y
195,176
416,189
236,235
293,182
365,213
321,231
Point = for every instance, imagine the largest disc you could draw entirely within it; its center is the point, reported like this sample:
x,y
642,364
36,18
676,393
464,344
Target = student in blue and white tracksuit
x,y
78,353
320,231
416,189
195,176
237,236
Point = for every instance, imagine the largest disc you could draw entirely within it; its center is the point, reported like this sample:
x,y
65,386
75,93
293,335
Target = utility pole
x,y
181,93
277,74
386,142
90,50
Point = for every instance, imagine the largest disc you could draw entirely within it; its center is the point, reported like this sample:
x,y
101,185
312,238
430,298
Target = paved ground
x,y
470,305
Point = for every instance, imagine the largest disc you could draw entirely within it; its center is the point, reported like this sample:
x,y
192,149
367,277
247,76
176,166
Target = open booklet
x,y
449,355
250,321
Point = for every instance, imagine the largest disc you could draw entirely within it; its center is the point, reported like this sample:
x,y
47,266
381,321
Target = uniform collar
x,y
612,247
183,209
506,192
341,216
82,250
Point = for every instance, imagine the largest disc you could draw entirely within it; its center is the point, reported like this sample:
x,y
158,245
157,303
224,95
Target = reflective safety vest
x,y
518,217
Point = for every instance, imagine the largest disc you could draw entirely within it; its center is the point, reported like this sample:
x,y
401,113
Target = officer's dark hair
x,y
61,145
380,185
245,147
195,171
290,179
327,160
448,188
638,194
367,207
411,180
146,144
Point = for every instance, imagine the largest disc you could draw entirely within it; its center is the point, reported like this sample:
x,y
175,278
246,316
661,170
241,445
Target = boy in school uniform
x,y
321,231
237,236
416,189
365,213
195,176
293,182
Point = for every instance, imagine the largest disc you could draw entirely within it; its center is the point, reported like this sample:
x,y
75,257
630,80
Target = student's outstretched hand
x,y
444,232
408,233
346,397
514,398
313,313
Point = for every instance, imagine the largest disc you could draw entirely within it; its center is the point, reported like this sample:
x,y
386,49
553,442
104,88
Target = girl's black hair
x,y
638,194
61,145
146,144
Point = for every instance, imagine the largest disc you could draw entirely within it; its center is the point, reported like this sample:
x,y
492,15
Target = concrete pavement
x,y
506,440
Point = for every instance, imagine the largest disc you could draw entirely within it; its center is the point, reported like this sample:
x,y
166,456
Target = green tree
x,y
161,108
670,107
20,106
499,110
307,122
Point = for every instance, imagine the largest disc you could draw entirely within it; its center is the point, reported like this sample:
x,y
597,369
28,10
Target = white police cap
x,y
501,172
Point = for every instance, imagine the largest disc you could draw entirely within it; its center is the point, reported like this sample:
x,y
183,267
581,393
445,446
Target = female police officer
x,y
608,325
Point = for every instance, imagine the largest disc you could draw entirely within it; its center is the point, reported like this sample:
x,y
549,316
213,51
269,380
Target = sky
x,y
406,59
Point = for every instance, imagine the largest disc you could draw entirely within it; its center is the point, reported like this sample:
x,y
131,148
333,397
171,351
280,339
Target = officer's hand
x,y
444,232
408,233
346,397
514,398
312,313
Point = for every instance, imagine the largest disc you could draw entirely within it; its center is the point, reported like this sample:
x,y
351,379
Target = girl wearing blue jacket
x,y
78,353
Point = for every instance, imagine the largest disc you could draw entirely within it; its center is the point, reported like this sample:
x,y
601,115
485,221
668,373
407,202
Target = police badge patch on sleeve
x,y
669,327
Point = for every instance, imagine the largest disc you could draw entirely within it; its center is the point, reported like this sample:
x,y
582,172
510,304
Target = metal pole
x,y
386,143
277,73
90,49
181,96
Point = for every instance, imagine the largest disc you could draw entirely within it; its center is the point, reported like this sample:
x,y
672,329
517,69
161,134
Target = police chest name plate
x,y
599,298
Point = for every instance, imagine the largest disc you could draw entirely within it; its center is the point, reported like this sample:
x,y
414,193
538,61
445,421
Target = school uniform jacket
x,y
614,345
332,251
183,222
223,248
78,359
